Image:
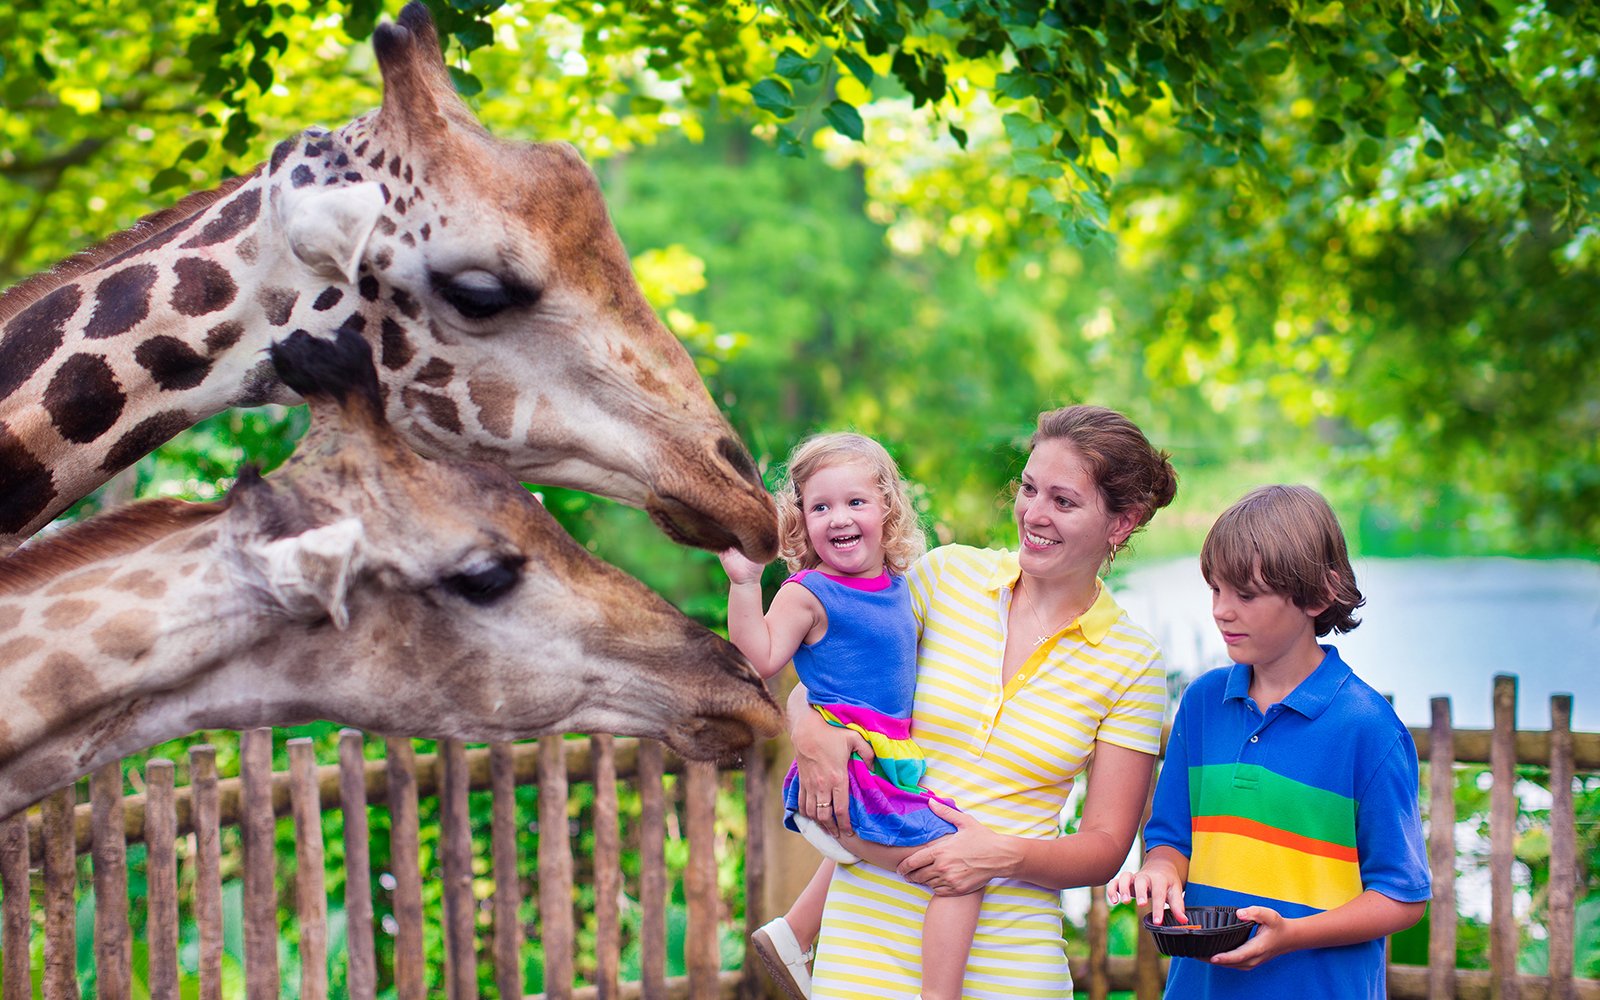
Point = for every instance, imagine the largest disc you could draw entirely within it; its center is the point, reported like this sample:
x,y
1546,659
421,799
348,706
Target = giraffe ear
x,y
328,228
309,574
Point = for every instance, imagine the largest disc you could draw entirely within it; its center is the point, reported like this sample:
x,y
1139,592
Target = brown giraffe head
x,y
503,307
362,583
486,274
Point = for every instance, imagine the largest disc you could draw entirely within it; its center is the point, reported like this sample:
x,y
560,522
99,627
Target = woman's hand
x,y
822,756
961,862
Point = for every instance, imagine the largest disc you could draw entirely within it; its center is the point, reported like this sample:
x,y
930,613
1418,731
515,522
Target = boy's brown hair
x,y
1287,540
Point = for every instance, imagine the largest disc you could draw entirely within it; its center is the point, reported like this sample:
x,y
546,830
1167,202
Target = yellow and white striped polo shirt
x,y
1008,755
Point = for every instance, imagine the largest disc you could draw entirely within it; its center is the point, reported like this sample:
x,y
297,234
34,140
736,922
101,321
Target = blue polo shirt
x,y
1301,808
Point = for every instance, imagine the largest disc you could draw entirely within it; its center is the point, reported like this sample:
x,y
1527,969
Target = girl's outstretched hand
x,y
740,569
961,862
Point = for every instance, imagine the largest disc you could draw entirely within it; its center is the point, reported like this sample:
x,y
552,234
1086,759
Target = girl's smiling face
x,y
1063,526
844,513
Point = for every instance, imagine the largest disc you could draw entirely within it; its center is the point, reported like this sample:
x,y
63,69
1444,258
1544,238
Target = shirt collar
x,y
1311,697
1095,623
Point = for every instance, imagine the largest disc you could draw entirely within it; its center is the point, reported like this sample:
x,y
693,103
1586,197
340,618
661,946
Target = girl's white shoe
x,y
828,846
780,951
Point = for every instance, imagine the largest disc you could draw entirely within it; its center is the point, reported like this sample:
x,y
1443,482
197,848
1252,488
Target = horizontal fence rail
x,y
352,829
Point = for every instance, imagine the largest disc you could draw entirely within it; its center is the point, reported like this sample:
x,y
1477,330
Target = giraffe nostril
x,y
734,454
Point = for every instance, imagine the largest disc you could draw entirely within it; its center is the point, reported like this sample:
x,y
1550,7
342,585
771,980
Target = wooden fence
x,y
39,851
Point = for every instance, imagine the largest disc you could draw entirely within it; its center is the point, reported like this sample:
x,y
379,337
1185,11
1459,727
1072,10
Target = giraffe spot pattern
x,y
126,635
280,153
496,400
361,150
26,486
368,286
204,286
145,437
233,219
425,232
352,176
353,323
121,301
34,335
187,569
19,649
301,175
278,303
246,249
441,410
10,615
328,298
68,613
63,681
408,239
383,189
142,582
397,351
223,336
76,583
377,161
386,225
204,540
172,363
407,305
383,258
84,399
408,173
437,373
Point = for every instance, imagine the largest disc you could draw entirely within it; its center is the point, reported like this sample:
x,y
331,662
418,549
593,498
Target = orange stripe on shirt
x,y
1272,835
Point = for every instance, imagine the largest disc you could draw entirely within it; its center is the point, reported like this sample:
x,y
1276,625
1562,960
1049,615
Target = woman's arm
x,y
822,754
973,855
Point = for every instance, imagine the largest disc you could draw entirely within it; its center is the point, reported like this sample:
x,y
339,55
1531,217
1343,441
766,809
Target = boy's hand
x,y
1271,939
740,569
1157,884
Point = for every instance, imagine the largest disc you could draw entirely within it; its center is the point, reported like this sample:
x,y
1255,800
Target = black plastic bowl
x,y
1211,930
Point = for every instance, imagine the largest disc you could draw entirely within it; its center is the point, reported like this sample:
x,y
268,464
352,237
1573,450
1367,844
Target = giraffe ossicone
x,y
486,274
361,583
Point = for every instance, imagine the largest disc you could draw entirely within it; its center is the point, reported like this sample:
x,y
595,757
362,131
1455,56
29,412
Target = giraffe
x,y
485,273
361,583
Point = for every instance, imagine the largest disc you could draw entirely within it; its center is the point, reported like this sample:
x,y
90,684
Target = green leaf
x,y
261,74
42,68
845,119
194,150
1366,153
795,66
789,143
959,135
858,67
169,178
1434,148
1327,132
475,35
467,85
773,96
1025,133
1272,60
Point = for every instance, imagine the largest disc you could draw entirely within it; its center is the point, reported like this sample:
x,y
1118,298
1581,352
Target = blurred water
x,y
1431,627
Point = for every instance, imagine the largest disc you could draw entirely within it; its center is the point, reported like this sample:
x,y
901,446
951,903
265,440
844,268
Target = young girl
x,y
848,531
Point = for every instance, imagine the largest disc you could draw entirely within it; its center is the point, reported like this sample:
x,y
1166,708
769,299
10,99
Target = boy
x,y
1290,786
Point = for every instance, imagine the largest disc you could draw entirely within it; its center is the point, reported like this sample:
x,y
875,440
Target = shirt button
x,y
1255,739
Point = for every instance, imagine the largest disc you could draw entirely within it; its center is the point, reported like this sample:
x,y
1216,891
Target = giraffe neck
x,y
119,349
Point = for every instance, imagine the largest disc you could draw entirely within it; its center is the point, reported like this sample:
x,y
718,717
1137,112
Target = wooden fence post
x,y
60,894
113,937
652,871
1442,853
507,883
700,879
607,868
555,869
751,985
455,843
310,892
1563,850
16,926
257,836
410,975
363,966
1503,983
206,812
161,877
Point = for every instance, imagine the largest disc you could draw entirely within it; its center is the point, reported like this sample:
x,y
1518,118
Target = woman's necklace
x,y
1044,633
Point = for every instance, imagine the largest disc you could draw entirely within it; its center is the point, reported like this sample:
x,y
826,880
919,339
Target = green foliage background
x,y
1345,244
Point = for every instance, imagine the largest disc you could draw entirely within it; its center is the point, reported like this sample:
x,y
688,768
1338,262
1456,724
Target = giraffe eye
x,y
480,295
488,582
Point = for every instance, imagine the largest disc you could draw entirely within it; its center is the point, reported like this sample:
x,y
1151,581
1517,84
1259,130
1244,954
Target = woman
x,y
1025,668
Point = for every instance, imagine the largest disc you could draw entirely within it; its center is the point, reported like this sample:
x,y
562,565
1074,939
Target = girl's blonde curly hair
x,y
903,541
